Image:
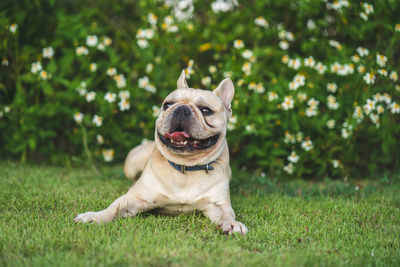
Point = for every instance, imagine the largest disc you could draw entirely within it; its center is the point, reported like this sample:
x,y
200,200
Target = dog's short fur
x,y
190,131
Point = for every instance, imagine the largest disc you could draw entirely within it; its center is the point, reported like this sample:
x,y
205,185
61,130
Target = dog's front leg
x,y
223,215
127,205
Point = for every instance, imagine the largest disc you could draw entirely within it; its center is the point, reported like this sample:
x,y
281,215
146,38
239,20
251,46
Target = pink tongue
x,y
177,136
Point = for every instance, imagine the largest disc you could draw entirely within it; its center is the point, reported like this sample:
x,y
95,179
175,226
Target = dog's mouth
x,y
181,140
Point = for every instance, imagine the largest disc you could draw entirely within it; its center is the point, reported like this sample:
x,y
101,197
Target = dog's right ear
x,y
181,83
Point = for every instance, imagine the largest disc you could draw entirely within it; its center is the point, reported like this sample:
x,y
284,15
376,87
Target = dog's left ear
x,y
181,83
225,91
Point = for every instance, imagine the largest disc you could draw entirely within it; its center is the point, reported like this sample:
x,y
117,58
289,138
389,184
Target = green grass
x,y
290,223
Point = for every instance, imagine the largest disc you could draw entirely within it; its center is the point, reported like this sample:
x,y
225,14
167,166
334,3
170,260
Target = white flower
x,y
246,68
110,97
93,67
335,44
212,69
320,68
332,104
272,96
293,157
363,16
13,28
156,111
381,60
44,75
106,41
393,76
336,163
386,98
369,78
92,40
7,109
293,85
232,122
361,69
302,96
313,103
206,81
355,58
4,62
288,103
142,43
330,124
97,120
294,63
358,114
247,54
152,18
307,145
260,21
223,5
90,96
309,62
369,9
299,137
36,67
289,36
124,104
151,88
289,138
289,168
143,82
395,107
81,50
380,109
78,117
108,154
331,87
369,106
238,44
397,27
284,45
100,139
101,47
300,79
311,25
345,133
111,71
149,67
48,52
310,112
362,51
120,80
124,95
260,88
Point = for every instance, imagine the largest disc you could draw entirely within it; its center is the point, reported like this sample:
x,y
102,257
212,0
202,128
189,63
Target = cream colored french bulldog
x,y
186,168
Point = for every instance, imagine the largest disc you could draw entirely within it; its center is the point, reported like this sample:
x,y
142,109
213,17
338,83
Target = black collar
x,y
182,168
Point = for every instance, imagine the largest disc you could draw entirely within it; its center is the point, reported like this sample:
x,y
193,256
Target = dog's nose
x,y
183,110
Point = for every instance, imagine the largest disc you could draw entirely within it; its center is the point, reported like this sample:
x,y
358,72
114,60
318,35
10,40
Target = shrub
x,y
317,88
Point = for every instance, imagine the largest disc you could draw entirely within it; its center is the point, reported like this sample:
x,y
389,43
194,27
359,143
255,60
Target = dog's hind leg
x,y
137,159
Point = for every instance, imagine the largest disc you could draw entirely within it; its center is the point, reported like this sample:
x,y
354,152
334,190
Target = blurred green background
x,y
317,88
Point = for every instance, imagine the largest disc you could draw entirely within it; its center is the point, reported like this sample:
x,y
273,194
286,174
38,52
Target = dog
x,y
186,168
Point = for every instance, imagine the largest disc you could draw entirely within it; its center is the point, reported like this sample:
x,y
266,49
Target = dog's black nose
x,y
183,111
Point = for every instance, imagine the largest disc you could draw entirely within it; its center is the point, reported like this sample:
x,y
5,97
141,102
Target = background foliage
x,y
317,87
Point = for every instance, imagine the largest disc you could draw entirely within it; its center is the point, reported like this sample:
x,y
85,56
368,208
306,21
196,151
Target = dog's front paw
x,y
233,227
89,217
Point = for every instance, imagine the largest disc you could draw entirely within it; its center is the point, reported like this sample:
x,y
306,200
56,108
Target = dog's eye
x,y
206,111
167,105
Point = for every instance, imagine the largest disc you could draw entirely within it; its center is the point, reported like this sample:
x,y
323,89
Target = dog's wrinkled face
x,y
191,127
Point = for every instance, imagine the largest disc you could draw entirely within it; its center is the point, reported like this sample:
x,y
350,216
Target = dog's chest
x,y
184,193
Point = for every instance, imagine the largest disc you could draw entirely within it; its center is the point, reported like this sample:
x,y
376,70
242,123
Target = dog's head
x,y
191,127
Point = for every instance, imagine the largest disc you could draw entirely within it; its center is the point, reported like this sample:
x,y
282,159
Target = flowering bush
x,y
317,86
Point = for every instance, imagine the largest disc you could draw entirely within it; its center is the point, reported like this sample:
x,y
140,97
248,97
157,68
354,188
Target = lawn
x,y
290,223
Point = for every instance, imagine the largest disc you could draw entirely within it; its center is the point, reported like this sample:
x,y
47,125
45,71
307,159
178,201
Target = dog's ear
x,y
181,83
225,91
